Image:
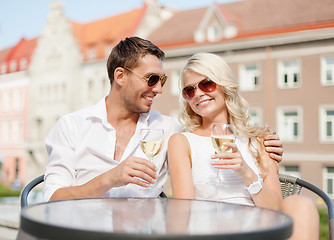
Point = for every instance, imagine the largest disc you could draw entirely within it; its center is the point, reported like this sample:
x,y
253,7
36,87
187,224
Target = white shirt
x,y
81,146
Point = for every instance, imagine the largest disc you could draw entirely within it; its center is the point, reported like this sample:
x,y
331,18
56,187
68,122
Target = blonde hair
x,y
216,69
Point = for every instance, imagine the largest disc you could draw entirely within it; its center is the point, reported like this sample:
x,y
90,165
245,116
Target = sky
x,y
26,18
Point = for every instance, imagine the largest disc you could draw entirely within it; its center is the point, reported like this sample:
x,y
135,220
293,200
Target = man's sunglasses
x,y
205,85
151,80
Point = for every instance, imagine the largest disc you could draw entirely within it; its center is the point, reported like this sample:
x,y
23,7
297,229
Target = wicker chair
x,y
292,185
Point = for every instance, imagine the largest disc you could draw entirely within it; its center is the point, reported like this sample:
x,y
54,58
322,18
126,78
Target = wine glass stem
x,y
151,160
219,175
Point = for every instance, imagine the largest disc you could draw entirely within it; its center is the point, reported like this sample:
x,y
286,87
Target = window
x,y
255,116
327,71
23,63
213,33
90,89
288,74
290,170
5,131
249,77
329,181
3,68
39,128
91,54
13,65
326,123
199,36
290,124
17,99
16,130
6,103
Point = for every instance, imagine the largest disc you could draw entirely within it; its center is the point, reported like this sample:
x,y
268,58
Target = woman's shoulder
x,y
185,135
180,136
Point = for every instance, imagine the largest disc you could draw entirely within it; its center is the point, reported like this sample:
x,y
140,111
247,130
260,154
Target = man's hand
x,y
133,170
274,147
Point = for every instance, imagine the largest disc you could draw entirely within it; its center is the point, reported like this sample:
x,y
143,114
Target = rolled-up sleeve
x,y
60,171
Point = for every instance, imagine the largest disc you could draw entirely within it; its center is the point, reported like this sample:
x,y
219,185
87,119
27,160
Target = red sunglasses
x,y
206,85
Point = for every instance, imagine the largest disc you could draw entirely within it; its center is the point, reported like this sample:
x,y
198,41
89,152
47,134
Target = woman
x,y
210,95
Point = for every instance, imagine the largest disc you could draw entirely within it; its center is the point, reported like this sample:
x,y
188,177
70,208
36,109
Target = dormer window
x,y
91,53
23,63
213,33
13,66
199,36
3,68
213,26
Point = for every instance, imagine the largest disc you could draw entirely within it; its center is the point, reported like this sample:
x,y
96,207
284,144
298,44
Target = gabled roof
x,y
266,15
179,29
108,29
4,54
25,48
251,18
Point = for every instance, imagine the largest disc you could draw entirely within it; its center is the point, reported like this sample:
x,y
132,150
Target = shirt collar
x,y
99,111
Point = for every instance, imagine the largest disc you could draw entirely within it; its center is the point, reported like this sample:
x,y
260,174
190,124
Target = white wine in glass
x,y
151,141
218,141
222,133
151,148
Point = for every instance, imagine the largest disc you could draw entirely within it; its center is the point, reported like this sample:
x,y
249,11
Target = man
x,y
95,151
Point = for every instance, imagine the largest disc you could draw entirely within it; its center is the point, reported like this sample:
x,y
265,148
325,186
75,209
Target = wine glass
x,y
222,133
151,141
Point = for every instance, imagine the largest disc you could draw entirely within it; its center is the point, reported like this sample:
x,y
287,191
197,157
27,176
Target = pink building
x,y
13,111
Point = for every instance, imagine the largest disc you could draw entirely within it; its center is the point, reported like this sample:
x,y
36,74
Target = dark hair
x,y
127,53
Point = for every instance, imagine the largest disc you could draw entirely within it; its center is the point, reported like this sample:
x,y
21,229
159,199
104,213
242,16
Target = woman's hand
x,y
234,160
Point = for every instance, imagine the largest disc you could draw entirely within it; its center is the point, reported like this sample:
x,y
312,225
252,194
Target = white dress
x,y
232,188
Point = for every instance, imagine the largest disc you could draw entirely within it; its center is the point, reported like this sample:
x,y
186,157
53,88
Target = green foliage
x,y
7,192
323,228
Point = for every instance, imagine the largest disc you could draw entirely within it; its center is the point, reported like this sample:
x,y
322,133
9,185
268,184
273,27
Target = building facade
x,y
283,60
282,56
14,92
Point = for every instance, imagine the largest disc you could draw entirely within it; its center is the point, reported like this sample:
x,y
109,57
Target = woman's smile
x,y
204,103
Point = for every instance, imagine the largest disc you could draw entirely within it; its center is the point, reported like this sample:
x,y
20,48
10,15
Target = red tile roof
x,y
98,34
262,15
251,17
108,31
180,28
4,54
23,49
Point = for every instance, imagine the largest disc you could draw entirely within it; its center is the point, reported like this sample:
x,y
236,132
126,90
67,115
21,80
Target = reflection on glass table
x,y
153,218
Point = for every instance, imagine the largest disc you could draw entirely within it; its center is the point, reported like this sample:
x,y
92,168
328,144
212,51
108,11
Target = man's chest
x,y
123,138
